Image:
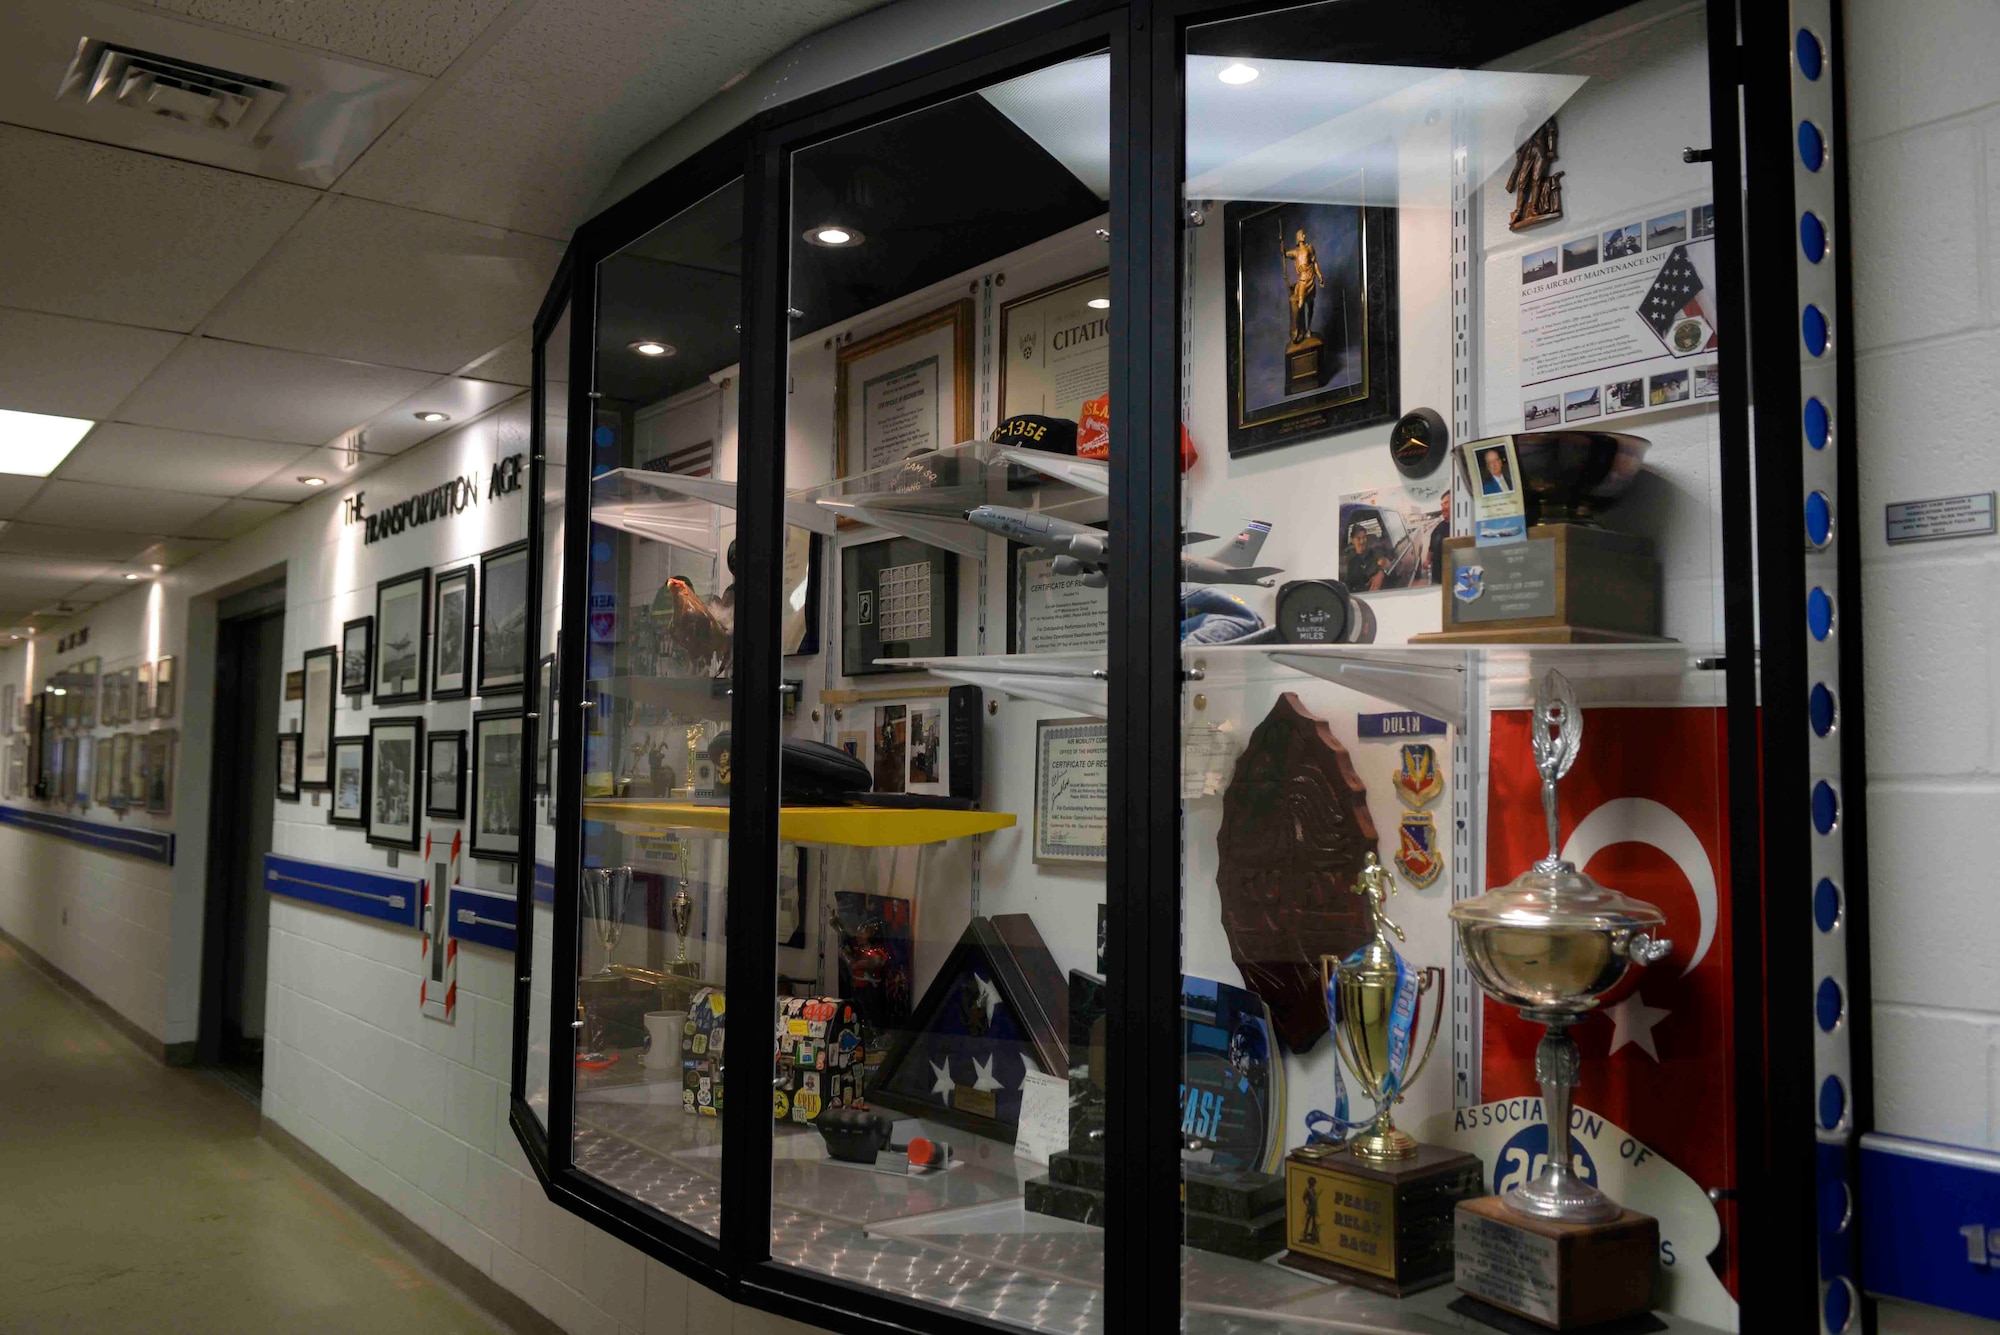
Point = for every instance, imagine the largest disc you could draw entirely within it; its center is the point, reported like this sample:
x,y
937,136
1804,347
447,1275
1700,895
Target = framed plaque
x,y
898,599
1053,613
1072,776
904,390
1056,348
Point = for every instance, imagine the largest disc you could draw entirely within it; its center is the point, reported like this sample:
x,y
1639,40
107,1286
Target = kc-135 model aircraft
x,y
1083,550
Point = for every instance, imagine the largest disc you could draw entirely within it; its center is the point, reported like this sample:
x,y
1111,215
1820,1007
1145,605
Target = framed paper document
x,y
1072,774
905,390
1056,348
1054,613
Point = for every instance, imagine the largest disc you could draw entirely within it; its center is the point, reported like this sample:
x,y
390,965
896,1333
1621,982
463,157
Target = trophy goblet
x,y
1375,999
604,891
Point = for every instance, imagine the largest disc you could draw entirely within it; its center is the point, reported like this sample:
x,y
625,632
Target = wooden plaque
x,y
1562,1276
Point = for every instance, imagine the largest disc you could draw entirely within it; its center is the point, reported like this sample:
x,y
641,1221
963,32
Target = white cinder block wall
x,y
1924,175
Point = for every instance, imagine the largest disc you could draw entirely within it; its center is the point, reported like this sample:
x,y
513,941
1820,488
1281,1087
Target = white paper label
x,y
1044,1127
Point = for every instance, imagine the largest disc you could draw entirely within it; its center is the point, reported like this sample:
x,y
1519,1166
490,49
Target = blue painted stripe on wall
x,y
1930,1224
483,917
545,883
369,894
150,845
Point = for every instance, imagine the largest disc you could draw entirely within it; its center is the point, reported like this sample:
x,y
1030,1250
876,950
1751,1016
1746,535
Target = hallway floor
x,y
135,1197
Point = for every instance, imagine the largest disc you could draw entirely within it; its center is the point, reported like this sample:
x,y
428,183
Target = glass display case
x,y
1160,610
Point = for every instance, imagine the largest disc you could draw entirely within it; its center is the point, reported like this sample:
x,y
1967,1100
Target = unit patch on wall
x,y
441,502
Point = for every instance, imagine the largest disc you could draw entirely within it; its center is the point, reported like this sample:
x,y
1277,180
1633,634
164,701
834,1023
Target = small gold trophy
x,y
683,974
1376,1208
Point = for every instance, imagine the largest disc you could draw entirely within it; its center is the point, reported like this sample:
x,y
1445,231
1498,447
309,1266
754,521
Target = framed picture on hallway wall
x,y
350,782
497,771
402,615
288,769
142,702
163,688
395,776
503,619
158,771
451,635
316,727
444,776
357,639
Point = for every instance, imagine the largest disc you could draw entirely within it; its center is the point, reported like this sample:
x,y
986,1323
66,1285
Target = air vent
x,y
198,99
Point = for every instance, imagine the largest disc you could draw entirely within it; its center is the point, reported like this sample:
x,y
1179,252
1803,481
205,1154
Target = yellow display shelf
x,y
846,827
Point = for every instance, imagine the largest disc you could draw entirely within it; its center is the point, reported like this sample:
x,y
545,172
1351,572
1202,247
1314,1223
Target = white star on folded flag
x,y
989,997
983,1074
1675,293
1632,1021
945,1084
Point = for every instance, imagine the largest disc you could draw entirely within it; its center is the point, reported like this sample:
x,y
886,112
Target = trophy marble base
x,y
1567,584
1234,1213
1559,1276
1302,365
1385,1227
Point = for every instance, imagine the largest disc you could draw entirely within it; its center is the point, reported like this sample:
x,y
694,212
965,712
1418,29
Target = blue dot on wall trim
x,y
1813,325
603,436
1812,236
1832,1102
1826,904
1819,614
1833,1213
1825,807
1810,61
1820,706
1826,1005
1839,1306
600,552
1812,147
1819,518
1818,424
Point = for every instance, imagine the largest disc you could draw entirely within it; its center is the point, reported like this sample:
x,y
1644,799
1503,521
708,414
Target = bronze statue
x,y
1304,286
1537,191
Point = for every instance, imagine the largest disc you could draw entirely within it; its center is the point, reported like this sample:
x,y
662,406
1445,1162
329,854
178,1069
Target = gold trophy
x,y
1376,1208
1551,942
683,974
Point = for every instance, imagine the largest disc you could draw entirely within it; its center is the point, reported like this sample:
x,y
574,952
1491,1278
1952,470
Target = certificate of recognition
x,y
1072,773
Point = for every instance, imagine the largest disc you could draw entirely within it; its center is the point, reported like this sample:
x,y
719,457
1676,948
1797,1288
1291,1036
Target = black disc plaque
x,y
1419,442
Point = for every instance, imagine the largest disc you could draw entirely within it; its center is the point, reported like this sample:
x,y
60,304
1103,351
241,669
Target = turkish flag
x,y
1645,811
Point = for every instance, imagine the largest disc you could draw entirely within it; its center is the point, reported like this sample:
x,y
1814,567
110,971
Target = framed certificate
x,y
905,390
1056,348
1072,775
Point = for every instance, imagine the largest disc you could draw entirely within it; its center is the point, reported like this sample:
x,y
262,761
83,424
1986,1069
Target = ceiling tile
x,y
232,389
391,286
513,364
397,429
325,462
235,518
42,540
16,491
420,35
171,552
129,237
86,505
73,368
73,571
627,69
121,454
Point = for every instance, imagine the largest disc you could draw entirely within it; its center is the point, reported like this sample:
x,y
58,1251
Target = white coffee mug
x,y
665,1029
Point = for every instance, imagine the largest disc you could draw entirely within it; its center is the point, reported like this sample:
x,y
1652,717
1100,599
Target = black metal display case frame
x,y
1756,92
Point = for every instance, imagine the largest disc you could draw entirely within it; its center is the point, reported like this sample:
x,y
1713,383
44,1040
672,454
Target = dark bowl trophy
x,y
1376,1209
1572,581
1551,942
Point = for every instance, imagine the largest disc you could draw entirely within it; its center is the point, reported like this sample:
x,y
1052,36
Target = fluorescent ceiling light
x,y
32,444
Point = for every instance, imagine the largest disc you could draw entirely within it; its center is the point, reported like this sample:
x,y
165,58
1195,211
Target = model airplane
x,y
1082,550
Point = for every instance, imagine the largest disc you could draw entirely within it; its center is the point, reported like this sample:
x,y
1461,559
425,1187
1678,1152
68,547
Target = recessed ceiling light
x,y
130,575
158,569
652,347
312,481
1099,303
433,417
834,234
32,444
1237,73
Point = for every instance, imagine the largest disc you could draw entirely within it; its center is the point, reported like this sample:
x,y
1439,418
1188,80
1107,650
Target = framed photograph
x,y
10,706
395,747
496,784
163,689
357,648
544,736
295,682
451,634
121,770
1072,783
158,771
1056,348
1310,318
350,782
402,614
66,749
142,700
503,619
86,763
17,766
101,775
904,390
800,633
316,752
91,677
898,599
444,776
288,767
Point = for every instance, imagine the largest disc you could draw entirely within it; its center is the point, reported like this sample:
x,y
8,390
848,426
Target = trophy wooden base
x,y
1559,1276
1567,584
1386,1227
1302,366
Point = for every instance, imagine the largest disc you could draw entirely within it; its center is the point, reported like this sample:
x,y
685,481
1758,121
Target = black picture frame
x,y
455,808
808,641
489,728
381,834
360,819
357,656
545,732
1356,308
862,567
503,630
451,633
312,710
293,742
383,629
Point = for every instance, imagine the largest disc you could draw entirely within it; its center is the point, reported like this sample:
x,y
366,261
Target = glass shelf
x,y
838,827
677,509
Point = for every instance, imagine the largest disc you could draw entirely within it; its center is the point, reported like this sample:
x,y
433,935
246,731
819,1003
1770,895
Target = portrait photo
x,y
1496,474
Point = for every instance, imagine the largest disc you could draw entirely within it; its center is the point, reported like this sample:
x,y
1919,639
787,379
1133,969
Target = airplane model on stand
x,y
1082,550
